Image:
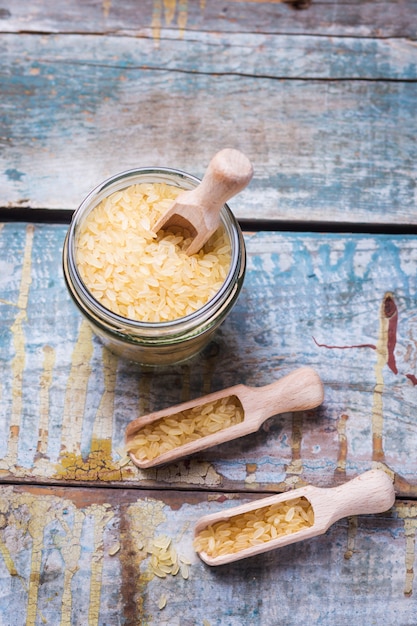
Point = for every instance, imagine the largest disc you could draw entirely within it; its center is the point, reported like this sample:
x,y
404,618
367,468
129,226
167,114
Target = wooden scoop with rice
x,y
198,211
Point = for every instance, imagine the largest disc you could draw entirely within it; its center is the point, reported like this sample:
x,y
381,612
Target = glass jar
x,y
154,343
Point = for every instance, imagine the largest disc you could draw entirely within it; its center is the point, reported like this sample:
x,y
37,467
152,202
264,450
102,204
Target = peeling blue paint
x,y
14,174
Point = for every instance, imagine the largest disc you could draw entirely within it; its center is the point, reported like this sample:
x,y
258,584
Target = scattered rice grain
x,y
164,560
162,602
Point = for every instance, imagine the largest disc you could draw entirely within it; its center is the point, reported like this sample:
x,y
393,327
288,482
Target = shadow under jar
x,y
153,343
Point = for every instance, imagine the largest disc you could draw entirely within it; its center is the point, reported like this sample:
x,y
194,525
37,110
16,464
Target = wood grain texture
x,y
328,122
387,18
77,556
345,305
323,102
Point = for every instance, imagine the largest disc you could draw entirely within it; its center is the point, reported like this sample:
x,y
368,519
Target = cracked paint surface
x,y
78,397
78,555
33,527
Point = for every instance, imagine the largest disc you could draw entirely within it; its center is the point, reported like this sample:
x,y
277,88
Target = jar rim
x,y
126,325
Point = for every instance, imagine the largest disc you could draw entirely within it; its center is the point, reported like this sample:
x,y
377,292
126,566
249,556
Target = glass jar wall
x,y
153,343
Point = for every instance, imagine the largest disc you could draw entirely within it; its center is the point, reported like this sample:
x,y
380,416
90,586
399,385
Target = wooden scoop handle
x,y
228,172
370,492
300,390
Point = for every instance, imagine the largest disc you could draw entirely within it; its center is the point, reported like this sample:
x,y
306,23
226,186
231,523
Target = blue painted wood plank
x,y
329,17
77,556
345,305
76,110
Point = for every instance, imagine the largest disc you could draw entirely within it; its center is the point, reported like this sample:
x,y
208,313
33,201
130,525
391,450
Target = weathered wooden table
x,y
323,99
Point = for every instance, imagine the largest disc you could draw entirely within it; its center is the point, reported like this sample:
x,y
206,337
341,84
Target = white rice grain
x,y
141,275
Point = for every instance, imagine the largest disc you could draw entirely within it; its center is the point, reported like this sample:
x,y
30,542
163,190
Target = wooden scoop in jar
x,y
198,210
299,391
370,492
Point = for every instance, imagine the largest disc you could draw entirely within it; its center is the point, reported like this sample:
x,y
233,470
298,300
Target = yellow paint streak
x,y
98,465
41,514
4,550
45,384
76,391
351,538
71,553
7,558
343,444
168,8
106,7
102,516
26,278
409,515
156,20
3,301
19,360
30,515
103,423
377,404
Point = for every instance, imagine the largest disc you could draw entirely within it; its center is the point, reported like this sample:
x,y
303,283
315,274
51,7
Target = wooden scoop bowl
x,y
370,492
198,211
299,391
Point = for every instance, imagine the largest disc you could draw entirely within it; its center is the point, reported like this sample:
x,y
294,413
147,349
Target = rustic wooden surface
x,y
323,101
344,305
80,556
